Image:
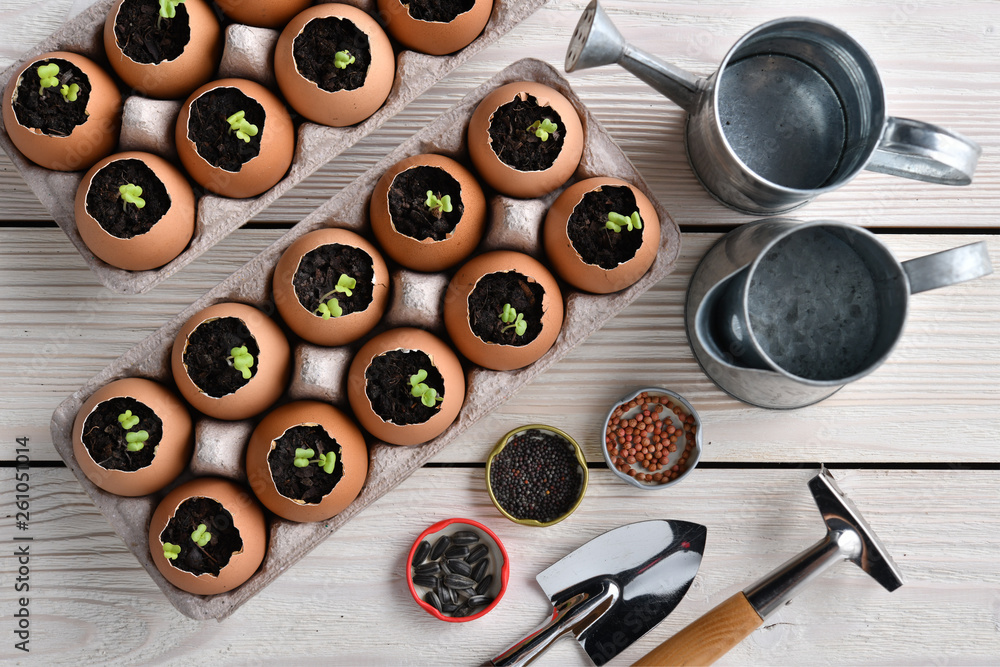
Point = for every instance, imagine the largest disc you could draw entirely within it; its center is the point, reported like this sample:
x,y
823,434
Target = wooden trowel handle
x,y
709,638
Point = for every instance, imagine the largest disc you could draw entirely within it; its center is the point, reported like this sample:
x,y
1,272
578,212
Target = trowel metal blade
x,y
652,564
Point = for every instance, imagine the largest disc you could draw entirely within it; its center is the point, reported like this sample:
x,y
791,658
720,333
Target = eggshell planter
x,y
428,253
248,53
436,36
320,372
262,13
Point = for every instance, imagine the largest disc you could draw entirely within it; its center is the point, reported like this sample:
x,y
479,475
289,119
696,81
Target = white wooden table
x,y
914,444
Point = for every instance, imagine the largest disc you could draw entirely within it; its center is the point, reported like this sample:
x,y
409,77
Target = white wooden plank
x,y
347,604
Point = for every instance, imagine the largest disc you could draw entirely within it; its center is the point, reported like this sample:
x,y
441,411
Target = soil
x,y
104,436
212,135
407,208
592,240
441,11
211,558
206,355
536,476
50,112
147,38
315,47
387,385
312,483
321,268
486,302
515,145
118,218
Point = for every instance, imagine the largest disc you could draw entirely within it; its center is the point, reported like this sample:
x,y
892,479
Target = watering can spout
x,y
596,42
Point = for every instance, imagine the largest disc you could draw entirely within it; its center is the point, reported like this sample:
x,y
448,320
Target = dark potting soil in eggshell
x,y
409,212
116,217
536,476
515,145
321,268
214,139
387,385
442,11
311,483
145,37
49,112
586,228
486,302
320,40
211,558
209,346
104,436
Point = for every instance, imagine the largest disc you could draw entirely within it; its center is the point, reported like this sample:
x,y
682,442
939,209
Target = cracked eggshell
x,y
172,453
262,13
442,357
248,519
266,385
170,79
506,179
261,173
436,38
353,455
427,254
163,242
568,263
342,107
312,327
87,143
456,310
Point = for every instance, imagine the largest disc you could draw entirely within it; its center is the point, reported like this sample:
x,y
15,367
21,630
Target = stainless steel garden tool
x,y
614,589
848,537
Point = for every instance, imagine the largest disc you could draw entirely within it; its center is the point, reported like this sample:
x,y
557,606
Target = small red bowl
x,y
499,565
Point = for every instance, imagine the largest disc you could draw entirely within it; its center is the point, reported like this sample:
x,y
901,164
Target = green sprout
x,y
341,59
70,92
513,319
201,536
616,221
427,395
325,461
243,128
241,360
168,8
438,206
136,441
543,128
131,194
127,420
302,457
171,551
48,77
327,309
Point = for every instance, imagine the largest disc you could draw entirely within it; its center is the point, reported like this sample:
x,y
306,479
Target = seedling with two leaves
x,y
303,457
616,221
438,205
135,440
241,359
513,319
331,308
243,128
419,389
543,128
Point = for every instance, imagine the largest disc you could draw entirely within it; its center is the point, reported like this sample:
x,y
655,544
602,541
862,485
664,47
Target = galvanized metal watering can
x,y
795,110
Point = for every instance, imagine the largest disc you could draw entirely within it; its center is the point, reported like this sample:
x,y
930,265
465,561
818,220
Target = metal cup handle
x,y
948,267
925,152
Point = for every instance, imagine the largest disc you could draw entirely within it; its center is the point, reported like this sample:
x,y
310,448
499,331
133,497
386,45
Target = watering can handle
x,y
925,152
948,267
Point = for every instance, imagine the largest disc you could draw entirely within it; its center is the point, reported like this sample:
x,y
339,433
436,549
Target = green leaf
x,y
345,284
136,440
543,128
70,92
508,315
328,461
417,378
341,59
243,128
171,551
127,420
520,326
168,8
131,194
301,453
242,360
430,397
635,222
201,536
48,77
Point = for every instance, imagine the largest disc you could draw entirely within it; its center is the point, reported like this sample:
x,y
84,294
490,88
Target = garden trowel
x,y
614,589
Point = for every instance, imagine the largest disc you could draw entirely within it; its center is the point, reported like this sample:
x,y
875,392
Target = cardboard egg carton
x,y
319,372
148,125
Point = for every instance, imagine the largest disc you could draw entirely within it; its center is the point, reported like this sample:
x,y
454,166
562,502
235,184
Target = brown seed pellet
x,y
644,432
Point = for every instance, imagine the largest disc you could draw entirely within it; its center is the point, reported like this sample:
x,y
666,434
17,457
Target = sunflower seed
x,y
444,567
478,553
420,554
478,601
457,551
480,569
428,568
445,594
439,547
426,580
484,585
449,608
432,599
456,566
458,582
465,537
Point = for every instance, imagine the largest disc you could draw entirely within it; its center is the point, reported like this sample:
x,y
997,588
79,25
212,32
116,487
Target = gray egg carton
x,y
319,372
148,125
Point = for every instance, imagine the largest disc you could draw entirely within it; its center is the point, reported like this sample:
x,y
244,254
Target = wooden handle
x,y
709,638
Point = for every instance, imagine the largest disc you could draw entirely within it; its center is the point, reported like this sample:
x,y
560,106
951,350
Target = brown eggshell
x,y
427,254
354,455
272,365
434,37
312,327
503,177
170,79
172,453
248,518
342,107
163,242
277,145
567,261
456,311
87,143
442,358
262,13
